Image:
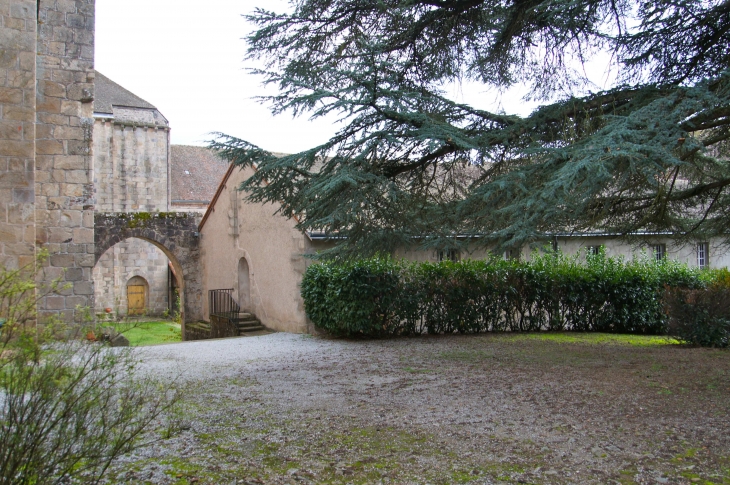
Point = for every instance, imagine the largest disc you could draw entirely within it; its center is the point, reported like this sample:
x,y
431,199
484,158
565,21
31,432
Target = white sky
x,y
186,58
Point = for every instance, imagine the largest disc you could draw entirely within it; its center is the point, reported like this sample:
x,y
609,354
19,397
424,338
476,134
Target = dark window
x,y
659,251
448,255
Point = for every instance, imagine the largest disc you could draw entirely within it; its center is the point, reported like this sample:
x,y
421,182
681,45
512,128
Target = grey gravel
x,y
284,408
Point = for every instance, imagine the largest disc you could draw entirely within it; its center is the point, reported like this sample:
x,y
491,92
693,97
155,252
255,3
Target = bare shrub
x,y
68,407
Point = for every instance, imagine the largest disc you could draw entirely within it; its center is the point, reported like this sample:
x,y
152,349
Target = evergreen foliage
x,y
701,316
381,297
648,154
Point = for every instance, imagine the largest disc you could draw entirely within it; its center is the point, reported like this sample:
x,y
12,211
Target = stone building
x,y
71,166
46,102
49,137
136,170
131,174
256,253
261,255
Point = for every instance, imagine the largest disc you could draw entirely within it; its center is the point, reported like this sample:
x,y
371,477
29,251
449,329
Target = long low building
x,y
261,256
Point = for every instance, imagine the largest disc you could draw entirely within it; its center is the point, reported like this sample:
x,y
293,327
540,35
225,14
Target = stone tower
x,y
46,104
131,175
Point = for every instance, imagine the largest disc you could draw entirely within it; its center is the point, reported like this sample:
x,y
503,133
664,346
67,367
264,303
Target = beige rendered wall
x,y
273,249
686,253
431,255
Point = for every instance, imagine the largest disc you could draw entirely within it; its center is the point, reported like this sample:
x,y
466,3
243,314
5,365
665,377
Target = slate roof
x,y
108,93
195,173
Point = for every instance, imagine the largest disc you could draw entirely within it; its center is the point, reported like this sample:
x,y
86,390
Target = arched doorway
x,y
244,286
137,295
127,268
175,234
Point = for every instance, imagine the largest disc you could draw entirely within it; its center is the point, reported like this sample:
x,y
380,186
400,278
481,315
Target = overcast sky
x,y
186,58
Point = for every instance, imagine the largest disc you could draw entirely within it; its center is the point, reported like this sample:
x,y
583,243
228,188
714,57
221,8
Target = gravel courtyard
x,y
486,409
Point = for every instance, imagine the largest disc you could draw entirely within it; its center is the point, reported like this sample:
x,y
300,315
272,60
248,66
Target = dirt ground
x,y
482,409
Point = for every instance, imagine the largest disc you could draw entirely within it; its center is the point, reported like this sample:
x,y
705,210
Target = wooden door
x,y
135,300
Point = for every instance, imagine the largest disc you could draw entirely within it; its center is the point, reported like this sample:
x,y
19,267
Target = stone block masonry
x,y
63,184
17,132
131,175
122,262
175,234
131,165
47,192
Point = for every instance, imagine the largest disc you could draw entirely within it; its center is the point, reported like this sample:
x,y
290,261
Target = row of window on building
x,y
658,250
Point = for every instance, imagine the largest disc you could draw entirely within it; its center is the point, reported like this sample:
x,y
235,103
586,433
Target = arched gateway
x,y
175,233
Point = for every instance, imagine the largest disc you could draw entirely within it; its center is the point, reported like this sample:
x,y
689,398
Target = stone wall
x,y
127,259
131,174
46,190
131,153
64,199
17,131
175,233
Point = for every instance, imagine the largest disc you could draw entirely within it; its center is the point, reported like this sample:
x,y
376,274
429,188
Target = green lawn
x,y
595,338
166,331
151,333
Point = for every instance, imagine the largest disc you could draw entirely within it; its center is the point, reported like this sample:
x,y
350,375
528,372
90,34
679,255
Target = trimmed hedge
x,y
701,316
382,297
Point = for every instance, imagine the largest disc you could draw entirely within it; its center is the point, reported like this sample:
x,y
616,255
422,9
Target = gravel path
x,y
485,409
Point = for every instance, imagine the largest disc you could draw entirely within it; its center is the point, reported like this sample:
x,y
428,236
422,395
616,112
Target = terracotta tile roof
x,y
108,93
195,173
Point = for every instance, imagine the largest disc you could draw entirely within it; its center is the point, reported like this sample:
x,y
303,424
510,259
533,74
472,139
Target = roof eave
x,y
214,200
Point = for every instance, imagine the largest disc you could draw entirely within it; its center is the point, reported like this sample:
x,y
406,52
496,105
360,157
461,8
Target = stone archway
x,y
125,260
175,233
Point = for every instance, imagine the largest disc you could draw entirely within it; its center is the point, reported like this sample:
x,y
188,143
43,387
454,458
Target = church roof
x,y
108,93
195,173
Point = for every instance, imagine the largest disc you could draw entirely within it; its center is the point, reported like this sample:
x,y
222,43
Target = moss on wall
x,y
136,220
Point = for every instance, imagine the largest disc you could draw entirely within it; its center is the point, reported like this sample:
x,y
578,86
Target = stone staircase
x,y
226,316
247,323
